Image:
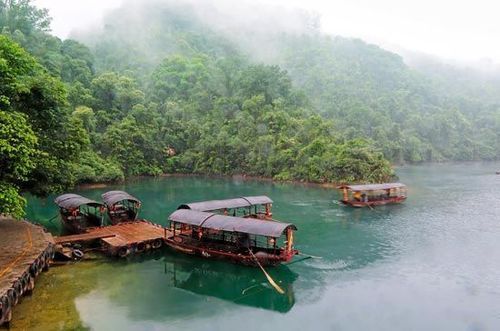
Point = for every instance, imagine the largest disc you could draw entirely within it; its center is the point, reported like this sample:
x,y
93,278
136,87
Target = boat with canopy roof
x,y
79,213
241,240
121,206
373,194
83,220
252,206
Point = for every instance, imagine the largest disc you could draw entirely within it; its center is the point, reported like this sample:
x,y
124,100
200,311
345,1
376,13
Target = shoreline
x,y
328,185
242,177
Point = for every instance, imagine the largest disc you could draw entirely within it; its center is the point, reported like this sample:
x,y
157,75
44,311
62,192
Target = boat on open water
x,y
373,194
246,241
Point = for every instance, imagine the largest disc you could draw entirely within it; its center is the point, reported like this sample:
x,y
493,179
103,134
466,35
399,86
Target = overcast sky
x,y
459,30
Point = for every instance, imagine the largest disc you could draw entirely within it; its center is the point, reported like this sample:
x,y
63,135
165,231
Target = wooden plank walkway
x,y
25,249
114,237
82,237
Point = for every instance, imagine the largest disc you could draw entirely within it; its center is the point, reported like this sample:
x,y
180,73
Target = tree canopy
x,y
190,96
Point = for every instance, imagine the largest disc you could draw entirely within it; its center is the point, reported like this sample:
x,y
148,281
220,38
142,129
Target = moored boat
x,y
121,206
246,241
79,213
83,220
373,194
252,206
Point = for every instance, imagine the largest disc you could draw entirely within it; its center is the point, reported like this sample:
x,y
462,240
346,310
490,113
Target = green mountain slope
x,y
368,92
192,87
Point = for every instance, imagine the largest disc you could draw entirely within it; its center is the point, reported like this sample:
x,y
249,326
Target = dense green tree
x,y
270,81
127,144
115,94
26,87
18,152
23,16
180,78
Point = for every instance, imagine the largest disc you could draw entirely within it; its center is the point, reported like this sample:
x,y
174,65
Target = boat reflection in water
x,y
241,285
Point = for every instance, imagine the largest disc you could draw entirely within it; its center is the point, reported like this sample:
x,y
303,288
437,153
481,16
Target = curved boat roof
x,y
227,203
112,197
71,201
230,223
373,187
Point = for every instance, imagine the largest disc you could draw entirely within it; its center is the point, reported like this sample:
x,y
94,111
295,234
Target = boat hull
x,y
373,203
73,228
264,259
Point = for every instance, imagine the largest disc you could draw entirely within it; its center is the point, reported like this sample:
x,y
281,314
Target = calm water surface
x,y
432,263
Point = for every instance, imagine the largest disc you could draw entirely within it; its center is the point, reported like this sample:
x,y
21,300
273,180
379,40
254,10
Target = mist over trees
x,y
427,112
195,87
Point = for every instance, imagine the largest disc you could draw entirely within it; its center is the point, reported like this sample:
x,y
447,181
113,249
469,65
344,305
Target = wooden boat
x,y
83,220
373,194
79,213
121,206
239,240
253,206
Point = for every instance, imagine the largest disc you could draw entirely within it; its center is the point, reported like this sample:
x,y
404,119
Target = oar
x,y
302,259
269,278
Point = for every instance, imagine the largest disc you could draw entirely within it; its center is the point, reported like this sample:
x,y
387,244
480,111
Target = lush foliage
x,y
18,151
193,96
372,93
435,113
41,143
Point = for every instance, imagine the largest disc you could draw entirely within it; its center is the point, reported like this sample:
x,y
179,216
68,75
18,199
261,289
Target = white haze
x,y
458,31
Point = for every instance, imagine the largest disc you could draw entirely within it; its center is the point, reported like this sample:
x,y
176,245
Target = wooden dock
x,y
25,251
121,239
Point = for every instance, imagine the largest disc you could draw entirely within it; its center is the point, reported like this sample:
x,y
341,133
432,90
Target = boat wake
x,y
328,265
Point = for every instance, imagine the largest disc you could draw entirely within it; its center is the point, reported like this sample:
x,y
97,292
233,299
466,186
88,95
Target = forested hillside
x,y
412,115
164,87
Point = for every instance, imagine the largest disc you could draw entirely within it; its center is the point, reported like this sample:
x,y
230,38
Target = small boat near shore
x,y
79,213
373,194
246,241
121,206
123,234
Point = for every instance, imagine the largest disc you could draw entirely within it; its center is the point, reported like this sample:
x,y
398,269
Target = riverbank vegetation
x,y
162,88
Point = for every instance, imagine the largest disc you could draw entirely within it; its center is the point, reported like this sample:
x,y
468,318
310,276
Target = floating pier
x,y
25,251
120,239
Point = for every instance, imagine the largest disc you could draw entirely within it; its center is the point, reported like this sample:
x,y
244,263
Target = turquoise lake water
x,y
432,263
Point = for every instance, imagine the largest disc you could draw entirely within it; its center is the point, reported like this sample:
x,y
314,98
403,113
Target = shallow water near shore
x,y
432,263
